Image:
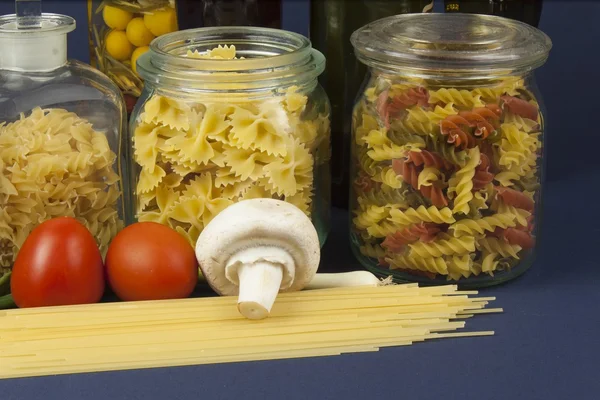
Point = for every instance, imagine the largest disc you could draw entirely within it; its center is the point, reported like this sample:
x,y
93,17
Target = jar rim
x,y
451,43
51,24
271,57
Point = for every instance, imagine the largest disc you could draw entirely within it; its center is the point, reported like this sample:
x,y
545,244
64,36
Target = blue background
x,y
546,345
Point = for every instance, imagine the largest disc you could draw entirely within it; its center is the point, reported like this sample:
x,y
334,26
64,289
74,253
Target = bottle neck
x,y
33,54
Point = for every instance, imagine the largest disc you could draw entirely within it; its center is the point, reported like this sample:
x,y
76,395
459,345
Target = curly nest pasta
x,y
446,177
52,164
195,157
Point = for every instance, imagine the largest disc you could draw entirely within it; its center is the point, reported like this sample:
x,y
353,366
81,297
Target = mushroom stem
x,y
344,279
259,285
259,272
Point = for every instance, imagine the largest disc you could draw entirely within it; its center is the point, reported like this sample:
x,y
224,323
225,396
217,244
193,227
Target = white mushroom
x,y
257,248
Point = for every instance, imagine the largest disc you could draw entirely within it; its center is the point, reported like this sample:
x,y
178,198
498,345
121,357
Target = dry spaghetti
x,y
119,336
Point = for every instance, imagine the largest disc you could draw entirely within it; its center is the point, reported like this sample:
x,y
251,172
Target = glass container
x,y
331,24
447,160
60,136
229,113
120,31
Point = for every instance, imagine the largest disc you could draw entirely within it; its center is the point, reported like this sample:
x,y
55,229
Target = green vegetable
x,y
5,283
7,302
6,299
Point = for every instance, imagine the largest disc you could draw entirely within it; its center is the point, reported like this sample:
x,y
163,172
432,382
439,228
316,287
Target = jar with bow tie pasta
x,y
447,148
227,114
60,136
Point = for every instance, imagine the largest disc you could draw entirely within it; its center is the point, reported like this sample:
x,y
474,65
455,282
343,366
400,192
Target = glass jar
x,y
447,148
229,113
60,136
120,31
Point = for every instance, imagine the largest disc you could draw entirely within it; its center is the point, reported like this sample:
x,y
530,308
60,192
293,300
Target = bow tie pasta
x,y
195,156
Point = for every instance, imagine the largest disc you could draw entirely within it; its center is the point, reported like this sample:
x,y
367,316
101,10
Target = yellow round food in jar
x,y
138,34
118,46
136,54
160,22
116,18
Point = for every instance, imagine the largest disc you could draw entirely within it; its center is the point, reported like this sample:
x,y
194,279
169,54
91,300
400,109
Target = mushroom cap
x,y
252,223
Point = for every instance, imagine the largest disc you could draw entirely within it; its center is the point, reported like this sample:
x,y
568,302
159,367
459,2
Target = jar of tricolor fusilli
x,y
447,148
60,136
226,114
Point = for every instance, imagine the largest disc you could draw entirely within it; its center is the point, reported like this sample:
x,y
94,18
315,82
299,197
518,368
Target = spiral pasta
x,y
494,245
367,163
388,177
428,158
444,247
459,98
391,151
421,214
425,181
436,265
489,262
382,198
462,183
54,163
422,116
459,266
508,86
372,250
398,240
372,215
457,170
482,225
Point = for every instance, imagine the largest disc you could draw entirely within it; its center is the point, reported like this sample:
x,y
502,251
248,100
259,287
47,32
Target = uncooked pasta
x,y
196,156
53,163
446,178
324,322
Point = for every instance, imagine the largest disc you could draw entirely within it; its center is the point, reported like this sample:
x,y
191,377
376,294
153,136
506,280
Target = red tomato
x,y
150,261
59,264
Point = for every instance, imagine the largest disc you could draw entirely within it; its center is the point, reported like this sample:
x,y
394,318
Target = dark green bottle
x,y
528,11
331,24
200,13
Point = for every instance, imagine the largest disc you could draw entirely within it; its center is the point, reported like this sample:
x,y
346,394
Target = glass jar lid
x,y
460,43
41,46
49,24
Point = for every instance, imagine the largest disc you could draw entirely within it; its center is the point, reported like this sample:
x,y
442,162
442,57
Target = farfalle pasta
x,y
197,154
52,164
446,178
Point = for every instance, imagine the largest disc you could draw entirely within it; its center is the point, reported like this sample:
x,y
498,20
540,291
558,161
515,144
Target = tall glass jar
x,y
120,31
229,113
60,137
447,148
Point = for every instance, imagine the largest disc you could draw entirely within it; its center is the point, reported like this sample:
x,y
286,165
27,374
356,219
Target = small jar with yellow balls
x,y
120,31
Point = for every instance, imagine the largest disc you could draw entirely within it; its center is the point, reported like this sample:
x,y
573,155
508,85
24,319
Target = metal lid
x,y
457,42
49,24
